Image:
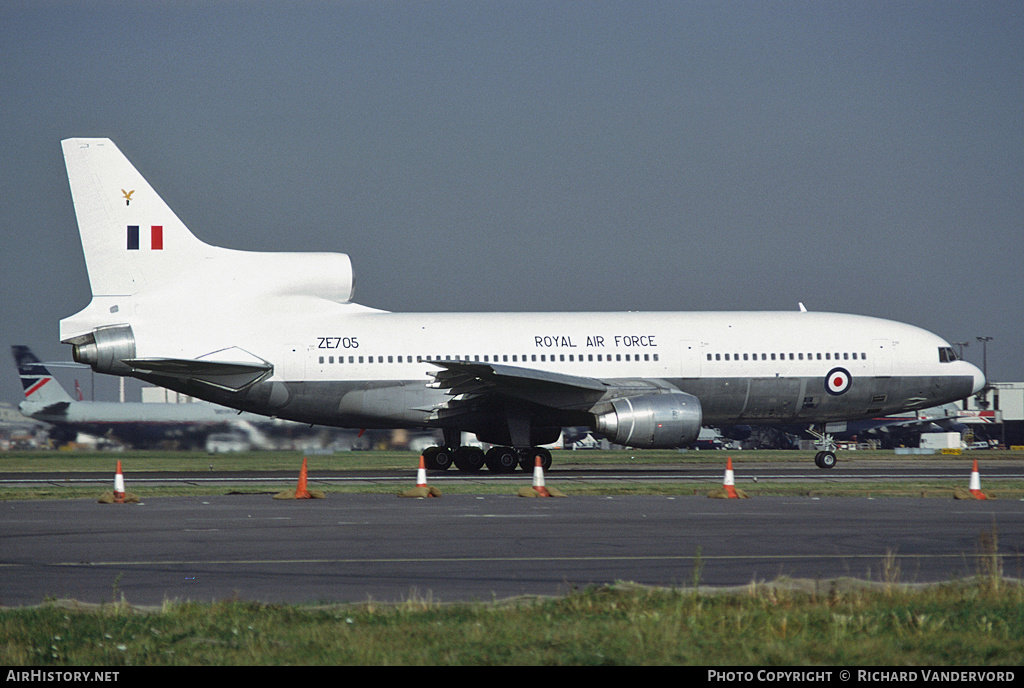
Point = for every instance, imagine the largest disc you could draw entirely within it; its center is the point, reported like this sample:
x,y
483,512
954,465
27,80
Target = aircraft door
x,y
881,357
689,358
293,363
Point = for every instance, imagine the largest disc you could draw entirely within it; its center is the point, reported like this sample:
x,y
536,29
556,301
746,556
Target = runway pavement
x,y
357,547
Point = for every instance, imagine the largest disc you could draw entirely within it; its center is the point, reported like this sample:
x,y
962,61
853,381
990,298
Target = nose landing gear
x,y
826,458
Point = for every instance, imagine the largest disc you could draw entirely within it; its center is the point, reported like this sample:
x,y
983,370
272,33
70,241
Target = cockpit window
x,y
946,354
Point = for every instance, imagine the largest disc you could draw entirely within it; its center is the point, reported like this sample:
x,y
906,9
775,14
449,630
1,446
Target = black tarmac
x,y
358,547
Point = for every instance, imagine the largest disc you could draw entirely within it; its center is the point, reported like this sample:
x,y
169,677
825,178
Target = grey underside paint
x,y
411,403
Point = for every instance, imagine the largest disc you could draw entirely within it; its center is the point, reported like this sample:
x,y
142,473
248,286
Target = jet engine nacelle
x,y
654,421
105,348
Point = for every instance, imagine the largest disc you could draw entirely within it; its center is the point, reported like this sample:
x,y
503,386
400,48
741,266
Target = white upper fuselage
x,y
671,344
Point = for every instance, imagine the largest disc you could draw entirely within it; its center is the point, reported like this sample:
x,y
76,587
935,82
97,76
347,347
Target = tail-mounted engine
x,y
105,349
654,421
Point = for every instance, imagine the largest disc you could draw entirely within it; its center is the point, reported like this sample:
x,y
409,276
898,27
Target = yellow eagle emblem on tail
x,y
127,196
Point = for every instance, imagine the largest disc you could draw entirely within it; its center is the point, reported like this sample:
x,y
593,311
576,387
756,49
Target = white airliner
x,y
278,334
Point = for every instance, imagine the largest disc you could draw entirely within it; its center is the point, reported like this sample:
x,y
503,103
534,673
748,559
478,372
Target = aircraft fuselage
x,y
373,369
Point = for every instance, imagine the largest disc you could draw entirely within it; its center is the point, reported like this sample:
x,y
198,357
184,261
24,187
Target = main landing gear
x,y
497,459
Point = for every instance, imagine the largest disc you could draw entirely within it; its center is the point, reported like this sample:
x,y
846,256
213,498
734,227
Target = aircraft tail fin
x,y
137,250
36,381
132,240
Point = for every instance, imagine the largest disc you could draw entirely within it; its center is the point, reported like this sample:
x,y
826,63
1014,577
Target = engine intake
x,y
106,348
654,421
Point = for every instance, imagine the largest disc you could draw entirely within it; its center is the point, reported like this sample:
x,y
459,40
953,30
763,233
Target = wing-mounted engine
x,y
652,421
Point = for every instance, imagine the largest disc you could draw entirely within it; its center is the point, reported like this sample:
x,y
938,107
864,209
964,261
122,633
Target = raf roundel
x,y
838,381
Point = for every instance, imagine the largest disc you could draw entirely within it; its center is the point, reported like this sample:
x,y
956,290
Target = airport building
x,y
1000,408
159,395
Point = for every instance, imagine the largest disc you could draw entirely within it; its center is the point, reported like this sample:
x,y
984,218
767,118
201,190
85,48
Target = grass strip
x,y
978,622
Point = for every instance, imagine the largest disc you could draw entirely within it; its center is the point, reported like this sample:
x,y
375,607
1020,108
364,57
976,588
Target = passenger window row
x,y
846,356
502,358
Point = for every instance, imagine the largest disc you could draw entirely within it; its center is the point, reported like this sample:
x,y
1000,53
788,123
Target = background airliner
x,y
140,425
278,334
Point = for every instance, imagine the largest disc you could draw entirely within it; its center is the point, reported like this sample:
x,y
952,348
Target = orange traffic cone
x,y
730,481
538,479
421,490
975,485
421,473
118,485
302,491
539,489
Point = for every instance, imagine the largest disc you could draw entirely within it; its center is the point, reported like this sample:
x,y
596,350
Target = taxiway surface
x,y
358,547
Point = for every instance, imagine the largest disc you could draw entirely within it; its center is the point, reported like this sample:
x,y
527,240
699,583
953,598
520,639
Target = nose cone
x,y
979,379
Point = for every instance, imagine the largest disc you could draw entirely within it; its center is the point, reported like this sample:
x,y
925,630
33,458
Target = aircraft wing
x,y
55,409
44,411
463,377
472,385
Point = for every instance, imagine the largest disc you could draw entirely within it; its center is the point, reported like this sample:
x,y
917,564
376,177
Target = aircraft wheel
x,y
437,458
825,459
501,459
528,458
469,459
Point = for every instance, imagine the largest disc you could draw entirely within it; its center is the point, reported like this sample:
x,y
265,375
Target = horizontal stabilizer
x,y
231,376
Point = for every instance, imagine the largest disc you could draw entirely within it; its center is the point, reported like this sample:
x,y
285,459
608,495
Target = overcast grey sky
x,y
865,157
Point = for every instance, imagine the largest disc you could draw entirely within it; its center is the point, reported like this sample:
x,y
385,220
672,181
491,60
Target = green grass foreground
x,y
837,623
